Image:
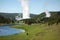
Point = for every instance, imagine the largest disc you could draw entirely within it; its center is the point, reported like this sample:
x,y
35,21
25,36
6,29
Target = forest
x,y
9,18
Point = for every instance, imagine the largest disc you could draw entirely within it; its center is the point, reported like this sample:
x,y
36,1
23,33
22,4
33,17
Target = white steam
x,y
25,8
47,14
18,18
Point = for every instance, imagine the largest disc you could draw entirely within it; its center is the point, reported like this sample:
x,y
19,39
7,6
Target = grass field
x,y
35,32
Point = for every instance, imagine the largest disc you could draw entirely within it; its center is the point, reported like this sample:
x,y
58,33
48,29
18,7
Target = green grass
x,y
35,32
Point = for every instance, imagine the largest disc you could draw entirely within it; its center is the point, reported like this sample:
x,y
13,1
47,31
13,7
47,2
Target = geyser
x,y
47,14
25,8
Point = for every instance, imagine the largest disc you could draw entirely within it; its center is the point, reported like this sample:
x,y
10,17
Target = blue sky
x,y
36,6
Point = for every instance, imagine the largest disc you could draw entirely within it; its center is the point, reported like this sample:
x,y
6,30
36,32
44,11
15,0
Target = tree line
x,y
54,19
4,20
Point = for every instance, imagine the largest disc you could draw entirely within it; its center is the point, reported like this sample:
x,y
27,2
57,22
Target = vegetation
x,y
10,17
35,32
7,18
39,28
55,18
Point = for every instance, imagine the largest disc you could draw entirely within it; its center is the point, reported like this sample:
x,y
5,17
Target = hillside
x,y
55,18
9,15
13,15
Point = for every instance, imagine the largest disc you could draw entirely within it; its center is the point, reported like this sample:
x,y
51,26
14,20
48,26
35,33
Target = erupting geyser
x,y
46,10
47,14
25,8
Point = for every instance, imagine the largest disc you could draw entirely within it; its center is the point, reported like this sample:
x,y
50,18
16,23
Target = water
x,y
6,30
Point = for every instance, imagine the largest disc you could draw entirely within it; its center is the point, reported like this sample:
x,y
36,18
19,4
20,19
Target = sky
x,y
35,6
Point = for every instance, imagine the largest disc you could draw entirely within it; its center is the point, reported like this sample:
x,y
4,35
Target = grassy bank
x,y
35,32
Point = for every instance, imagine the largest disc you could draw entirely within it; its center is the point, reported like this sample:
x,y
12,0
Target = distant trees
x,y
55,18
28,21
5,20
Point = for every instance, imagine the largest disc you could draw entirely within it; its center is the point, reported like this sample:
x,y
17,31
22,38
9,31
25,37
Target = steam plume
x,y
25,8
47,14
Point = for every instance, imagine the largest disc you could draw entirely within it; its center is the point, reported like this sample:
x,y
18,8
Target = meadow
x,y
35,32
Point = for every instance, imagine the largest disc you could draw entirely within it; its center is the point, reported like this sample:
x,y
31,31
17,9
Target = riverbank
x,y
8,24
35,32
